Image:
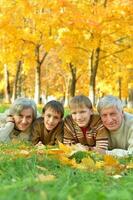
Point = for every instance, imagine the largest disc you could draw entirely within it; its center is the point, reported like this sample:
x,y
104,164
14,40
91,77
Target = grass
x,y
18,179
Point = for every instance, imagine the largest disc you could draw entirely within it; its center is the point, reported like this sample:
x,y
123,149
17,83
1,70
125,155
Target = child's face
x,y
51,119
81,115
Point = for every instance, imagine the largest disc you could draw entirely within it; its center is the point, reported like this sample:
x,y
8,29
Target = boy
x,y
83,127
48,130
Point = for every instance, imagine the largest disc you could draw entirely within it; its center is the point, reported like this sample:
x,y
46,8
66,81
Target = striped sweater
x,y
96,134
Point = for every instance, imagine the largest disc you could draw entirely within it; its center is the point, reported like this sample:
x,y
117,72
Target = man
x,y
119,125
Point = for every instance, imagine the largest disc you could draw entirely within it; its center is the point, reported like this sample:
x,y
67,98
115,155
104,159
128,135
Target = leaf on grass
x,y
99,164
66,161
130,165
87,163
45,178
67,149
55,151
117,176
110,160
41,168
112,165
24,153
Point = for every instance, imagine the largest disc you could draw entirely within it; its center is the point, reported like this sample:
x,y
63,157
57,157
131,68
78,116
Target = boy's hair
x,y
54,105
80,101
23,103
109,101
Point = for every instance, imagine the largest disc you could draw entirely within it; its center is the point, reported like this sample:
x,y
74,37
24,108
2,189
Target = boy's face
x,y
51,119
81,115
24,119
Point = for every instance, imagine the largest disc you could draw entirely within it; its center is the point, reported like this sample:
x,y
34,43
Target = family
x,y
108,131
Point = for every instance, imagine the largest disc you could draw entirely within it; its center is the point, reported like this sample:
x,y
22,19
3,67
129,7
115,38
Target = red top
x,y
84,130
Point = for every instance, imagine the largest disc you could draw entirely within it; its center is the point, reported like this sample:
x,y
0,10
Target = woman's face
x,y
24,119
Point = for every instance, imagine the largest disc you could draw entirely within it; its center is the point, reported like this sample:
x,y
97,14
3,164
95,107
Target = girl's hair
x,y
54,105
23,103
80,101
109,101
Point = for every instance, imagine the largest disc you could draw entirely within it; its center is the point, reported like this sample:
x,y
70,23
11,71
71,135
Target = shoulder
x,y
38,121
95,119
128,119
68,119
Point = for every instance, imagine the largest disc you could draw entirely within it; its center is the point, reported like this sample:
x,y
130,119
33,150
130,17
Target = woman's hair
x,y
80,101
54,105
109,101
22,103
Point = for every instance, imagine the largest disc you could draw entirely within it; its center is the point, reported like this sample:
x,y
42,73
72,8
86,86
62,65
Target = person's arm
x,y
101,140
5,131
124,152
59,133
36,133
68,137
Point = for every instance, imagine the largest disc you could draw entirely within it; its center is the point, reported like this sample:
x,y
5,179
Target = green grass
x,y
18,180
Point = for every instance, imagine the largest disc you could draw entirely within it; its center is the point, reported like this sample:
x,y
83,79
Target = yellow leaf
x,y
87,163
41,168
65,148
43,178
130,166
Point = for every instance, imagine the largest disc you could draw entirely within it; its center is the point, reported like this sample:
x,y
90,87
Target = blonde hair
x,y
80,101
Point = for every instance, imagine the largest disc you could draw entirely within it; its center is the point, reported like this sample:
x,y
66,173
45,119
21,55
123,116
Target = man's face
x,y
111,118
24,119
51,119
81,115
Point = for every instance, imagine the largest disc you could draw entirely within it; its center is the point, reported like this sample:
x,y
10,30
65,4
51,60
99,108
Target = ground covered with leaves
x,y
28,172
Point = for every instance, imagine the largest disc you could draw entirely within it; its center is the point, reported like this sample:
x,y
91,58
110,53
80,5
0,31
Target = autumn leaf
x,y
129,165
41,168
45,178
87,163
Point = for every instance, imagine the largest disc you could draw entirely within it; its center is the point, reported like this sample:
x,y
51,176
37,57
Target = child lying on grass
x,y
48,129
83,127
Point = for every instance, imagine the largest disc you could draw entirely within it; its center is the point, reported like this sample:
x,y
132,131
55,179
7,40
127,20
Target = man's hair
x,y
109,101
23,103
54,105
80,101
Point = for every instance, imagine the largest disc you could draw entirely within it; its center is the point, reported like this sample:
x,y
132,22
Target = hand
x,y
98,150
10,119
81,147
39,144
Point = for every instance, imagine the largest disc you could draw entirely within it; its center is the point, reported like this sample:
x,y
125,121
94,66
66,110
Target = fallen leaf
x,y
45,178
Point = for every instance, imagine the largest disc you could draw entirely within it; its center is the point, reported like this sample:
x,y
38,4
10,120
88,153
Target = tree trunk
x,y
16,85
39,61
73,80
94,61
7,84
67,86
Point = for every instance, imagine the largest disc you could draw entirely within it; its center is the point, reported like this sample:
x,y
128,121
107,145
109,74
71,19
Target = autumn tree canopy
x,y
66,47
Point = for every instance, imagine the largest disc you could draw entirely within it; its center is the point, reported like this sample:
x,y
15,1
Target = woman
x,y
19,120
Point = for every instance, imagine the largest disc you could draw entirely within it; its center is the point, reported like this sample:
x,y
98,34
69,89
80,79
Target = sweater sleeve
x,y
102,138
124,152
36,132
119,152
5,131
68,137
